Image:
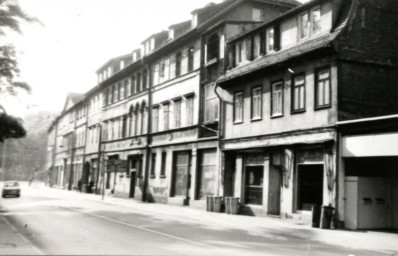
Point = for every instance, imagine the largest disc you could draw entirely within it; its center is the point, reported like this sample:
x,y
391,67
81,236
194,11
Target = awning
x,y
370,145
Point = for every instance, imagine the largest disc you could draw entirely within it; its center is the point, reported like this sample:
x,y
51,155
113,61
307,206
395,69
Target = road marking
x,y
147,229
38,251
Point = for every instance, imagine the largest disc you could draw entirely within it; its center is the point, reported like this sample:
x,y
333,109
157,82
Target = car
x,y
11,188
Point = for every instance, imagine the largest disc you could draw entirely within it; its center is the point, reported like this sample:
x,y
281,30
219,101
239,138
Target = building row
x,y
281,104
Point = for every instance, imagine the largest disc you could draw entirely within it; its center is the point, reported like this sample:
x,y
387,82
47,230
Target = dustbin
x,y
316,216
209,204
227,202
326,217
217,202
234,207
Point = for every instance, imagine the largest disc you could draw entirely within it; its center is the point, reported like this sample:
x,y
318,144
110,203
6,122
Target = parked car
x,y
11,188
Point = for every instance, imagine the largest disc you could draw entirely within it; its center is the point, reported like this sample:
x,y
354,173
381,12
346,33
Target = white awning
x,y
370,145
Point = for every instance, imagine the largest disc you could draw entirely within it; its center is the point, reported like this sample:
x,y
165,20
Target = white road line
x,y
147,229
38,251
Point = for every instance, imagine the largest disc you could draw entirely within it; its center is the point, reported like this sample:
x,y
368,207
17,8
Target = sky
x,y
76,37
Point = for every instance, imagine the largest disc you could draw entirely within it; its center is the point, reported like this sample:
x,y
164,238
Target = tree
x,y
11,16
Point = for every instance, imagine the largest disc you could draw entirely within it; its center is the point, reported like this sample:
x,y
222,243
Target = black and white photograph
x,y
199,127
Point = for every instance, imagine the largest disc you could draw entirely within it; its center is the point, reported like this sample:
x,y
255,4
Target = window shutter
x,y
249,48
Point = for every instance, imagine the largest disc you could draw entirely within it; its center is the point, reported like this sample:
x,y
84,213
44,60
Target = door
x,y
274,192
254,184
132,183
310,186
181,174
134,168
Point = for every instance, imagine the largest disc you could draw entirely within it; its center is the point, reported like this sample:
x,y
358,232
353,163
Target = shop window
x,y
298,93
322,88
207,173
277,98
211,103
256,103
254,185
238,107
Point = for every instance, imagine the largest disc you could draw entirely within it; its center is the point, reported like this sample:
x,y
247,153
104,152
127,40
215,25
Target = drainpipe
x,y
99,126
220,132
149,130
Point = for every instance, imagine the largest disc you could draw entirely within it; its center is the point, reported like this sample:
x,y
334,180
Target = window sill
x,y
211,62
276,116
162,176
152,176
322,107
238,122
256,119
297,111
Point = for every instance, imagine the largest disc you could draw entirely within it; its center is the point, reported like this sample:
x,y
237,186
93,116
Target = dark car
x,y
11,188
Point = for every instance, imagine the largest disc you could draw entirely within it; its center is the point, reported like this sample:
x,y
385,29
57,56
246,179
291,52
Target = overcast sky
x,y
78,36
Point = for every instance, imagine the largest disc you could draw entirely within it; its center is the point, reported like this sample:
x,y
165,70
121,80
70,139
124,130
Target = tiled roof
x,y
75,97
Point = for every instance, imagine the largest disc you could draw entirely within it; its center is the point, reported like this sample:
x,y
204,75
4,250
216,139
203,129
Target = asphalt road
x,y
63,225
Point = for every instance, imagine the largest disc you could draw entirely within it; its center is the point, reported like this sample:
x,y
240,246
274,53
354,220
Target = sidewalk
x,y
382,242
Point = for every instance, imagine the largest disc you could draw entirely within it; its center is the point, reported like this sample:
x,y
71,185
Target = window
x,y
254,185
257,14
138,84
277,98
144,80
270,39
194,20
189,110
122,91
115,93
298,93
124,127
162,68
256,103
178,64
132,85
190,58
304,25
127,88
211,103
163,167
177,113
153,165
155,119
166,117
238,107
322,89
316,20
256,46
213,48
222,47
238,53
132,123
110,94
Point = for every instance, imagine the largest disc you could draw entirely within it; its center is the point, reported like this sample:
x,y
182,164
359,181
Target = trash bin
x,y
227,202
209,204
316,216
234,207
217,202
326,217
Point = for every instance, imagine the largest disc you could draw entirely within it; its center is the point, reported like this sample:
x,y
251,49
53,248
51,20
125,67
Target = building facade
x,y
249,99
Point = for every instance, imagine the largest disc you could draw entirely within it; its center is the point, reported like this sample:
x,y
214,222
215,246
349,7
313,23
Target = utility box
x,y
367,203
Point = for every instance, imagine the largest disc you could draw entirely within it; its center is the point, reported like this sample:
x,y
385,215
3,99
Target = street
x,y
68,223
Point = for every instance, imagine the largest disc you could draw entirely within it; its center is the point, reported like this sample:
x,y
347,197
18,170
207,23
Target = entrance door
x,y
310,186
254,184
135,165
274,193
181,174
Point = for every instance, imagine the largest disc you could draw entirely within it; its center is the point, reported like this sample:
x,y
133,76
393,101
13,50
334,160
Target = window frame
x,y
177,114
178,71
260,117
155,109
300,110
300,25
274,115
235,121
153,165
191,58
316,78
163,164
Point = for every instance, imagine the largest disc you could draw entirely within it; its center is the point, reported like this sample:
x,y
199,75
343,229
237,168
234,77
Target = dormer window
x,y
310,23
257,14
270,39
122,64
316,20
109,71
194,20
304,25
134,56
171,33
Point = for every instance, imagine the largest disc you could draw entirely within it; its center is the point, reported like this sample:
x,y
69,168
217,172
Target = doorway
x,y
181,175
274,191
134,171
309,186
254,177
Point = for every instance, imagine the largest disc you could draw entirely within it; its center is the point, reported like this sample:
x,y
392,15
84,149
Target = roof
x,y
181,25
124,56
297,50
75,97
156,35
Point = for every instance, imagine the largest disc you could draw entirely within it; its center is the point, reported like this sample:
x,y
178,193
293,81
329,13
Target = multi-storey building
x,y
292,82
250,99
